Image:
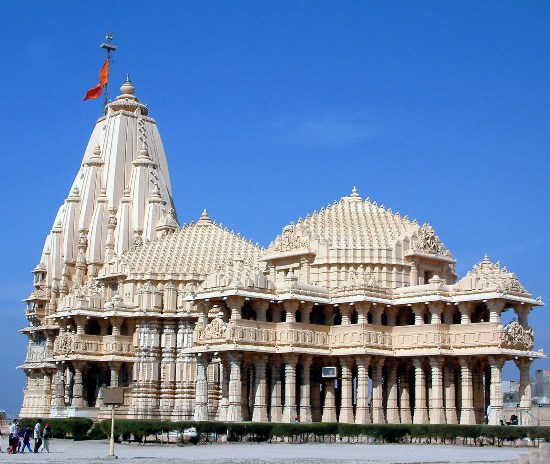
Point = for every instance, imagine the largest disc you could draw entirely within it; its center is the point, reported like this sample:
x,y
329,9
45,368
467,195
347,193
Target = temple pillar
x,y
305,390
234,410
418,309
523,311
435,308
305,311
362,413
413,275
346,405
260,306
345,310
377,311
495,309
290,412
479,394
224,384
392,408
450,394
201,389
405,395
437,412
466,308
114,368
523,365
168,366
363,308
467,416
420,407
59,398
496,400
391,314
259,413
377,394
235,304
291,306
329,407
276,412
78,386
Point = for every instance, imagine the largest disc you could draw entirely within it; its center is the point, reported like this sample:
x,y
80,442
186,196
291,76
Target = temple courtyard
x,y
86,452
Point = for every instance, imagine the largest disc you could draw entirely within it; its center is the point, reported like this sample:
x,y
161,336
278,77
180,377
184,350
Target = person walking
x,y
26,439
47,435
14,432
37,435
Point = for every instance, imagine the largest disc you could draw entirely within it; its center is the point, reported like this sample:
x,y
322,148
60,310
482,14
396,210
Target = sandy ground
x,y
88,452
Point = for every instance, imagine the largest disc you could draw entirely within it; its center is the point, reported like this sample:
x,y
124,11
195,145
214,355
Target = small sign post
x,y
113,396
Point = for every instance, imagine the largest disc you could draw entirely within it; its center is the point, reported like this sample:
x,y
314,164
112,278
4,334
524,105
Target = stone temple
x,y
353,313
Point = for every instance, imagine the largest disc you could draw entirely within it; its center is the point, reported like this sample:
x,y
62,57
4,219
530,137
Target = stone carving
x,y
517,337
64,344
491,274
216,329
428,242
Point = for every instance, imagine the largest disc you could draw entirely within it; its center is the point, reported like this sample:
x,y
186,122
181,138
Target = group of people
x,y
20,439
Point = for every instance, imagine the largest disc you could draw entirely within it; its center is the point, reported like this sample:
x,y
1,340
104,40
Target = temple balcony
x,y
68,344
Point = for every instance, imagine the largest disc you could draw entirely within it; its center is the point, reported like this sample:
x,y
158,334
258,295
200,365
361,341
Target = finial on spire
x,y
110,48
204,219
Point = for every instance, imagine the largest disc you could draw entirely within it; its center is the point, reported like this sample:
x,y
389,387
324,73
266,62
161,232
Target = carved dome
x,y
191,252
352,234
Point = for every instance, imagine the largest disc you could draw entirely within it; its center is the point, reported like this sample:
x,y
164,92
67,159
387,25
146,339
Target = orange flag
x,y
95,92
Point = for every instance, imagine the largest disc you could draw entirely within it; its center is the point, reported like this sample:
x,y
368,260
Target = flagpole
x,y
109,47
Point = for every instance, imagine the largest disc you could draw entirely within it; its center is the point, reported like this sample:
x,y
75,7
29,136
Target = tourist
x,y
37,435
47,435
26,439
12,440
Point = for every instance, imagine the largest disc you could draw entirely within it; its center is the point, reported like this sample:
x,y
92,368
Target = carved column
x,y
405,395
413,276
47,388
235,304
362,308
329,407
420,407
234,411
276,411
289,411
496,400
114,368
305,310
305,389
450,394
466,308
78,387
377,399
224,383
523,312
201,389
479,393
436,308
345,310
419,309
377,311
260,306
276,309
392,410
362,413
168,369
437,412
185,373
291,307
260,401
523,365
59,399
495,309
346,406
467,416
391,314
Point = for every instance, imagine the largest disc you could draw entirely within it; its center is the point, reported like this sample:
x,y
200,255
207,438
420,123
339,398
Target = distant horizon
x,y
268,112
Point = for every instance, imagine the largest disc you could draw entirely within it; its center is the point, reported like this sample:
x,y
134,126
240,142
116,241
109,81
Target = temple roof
x,y
357,224
197,248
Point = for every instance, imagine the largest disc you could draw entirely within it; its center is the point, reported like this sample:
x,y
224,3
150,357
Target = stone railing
x,y
415,337
37,353
73,344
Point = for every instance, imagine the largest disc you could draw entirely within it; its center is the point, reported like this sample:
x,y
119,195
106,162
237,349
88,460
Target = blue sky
x,y
270,110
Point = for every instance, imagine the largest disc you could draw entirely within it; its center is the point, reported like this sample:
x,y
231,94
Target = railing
x,y
70,344
37,353
441,336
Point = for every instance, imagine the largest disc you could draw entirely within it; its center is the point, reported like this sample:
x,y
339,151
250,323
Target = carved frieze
x,y
216,329
64,344
517,337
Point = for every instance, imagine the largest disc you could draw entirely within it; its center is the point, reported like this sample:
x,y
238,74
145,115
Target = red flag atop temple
x,y
95,92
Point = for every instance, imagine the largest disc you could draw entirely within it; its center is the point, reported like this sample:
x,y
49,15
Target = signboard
x,y
113,395
329,372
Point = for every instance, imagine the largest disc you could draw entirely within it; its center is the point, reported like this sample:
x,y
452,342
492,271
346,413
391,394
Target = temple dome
x,y
355,232
190,253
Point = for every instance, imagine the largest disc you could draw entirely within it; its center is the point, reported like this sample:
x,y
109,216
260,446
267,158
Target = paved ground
x,y
89,452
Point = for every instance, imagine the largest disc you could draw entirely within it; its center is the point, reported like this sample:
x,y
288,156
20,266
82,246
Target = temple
x,y
353,313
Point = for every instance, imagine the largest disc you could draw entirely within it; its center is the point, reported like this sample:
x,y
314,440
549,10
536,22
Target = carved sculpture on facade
x,y
216,329
517,337
64,344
